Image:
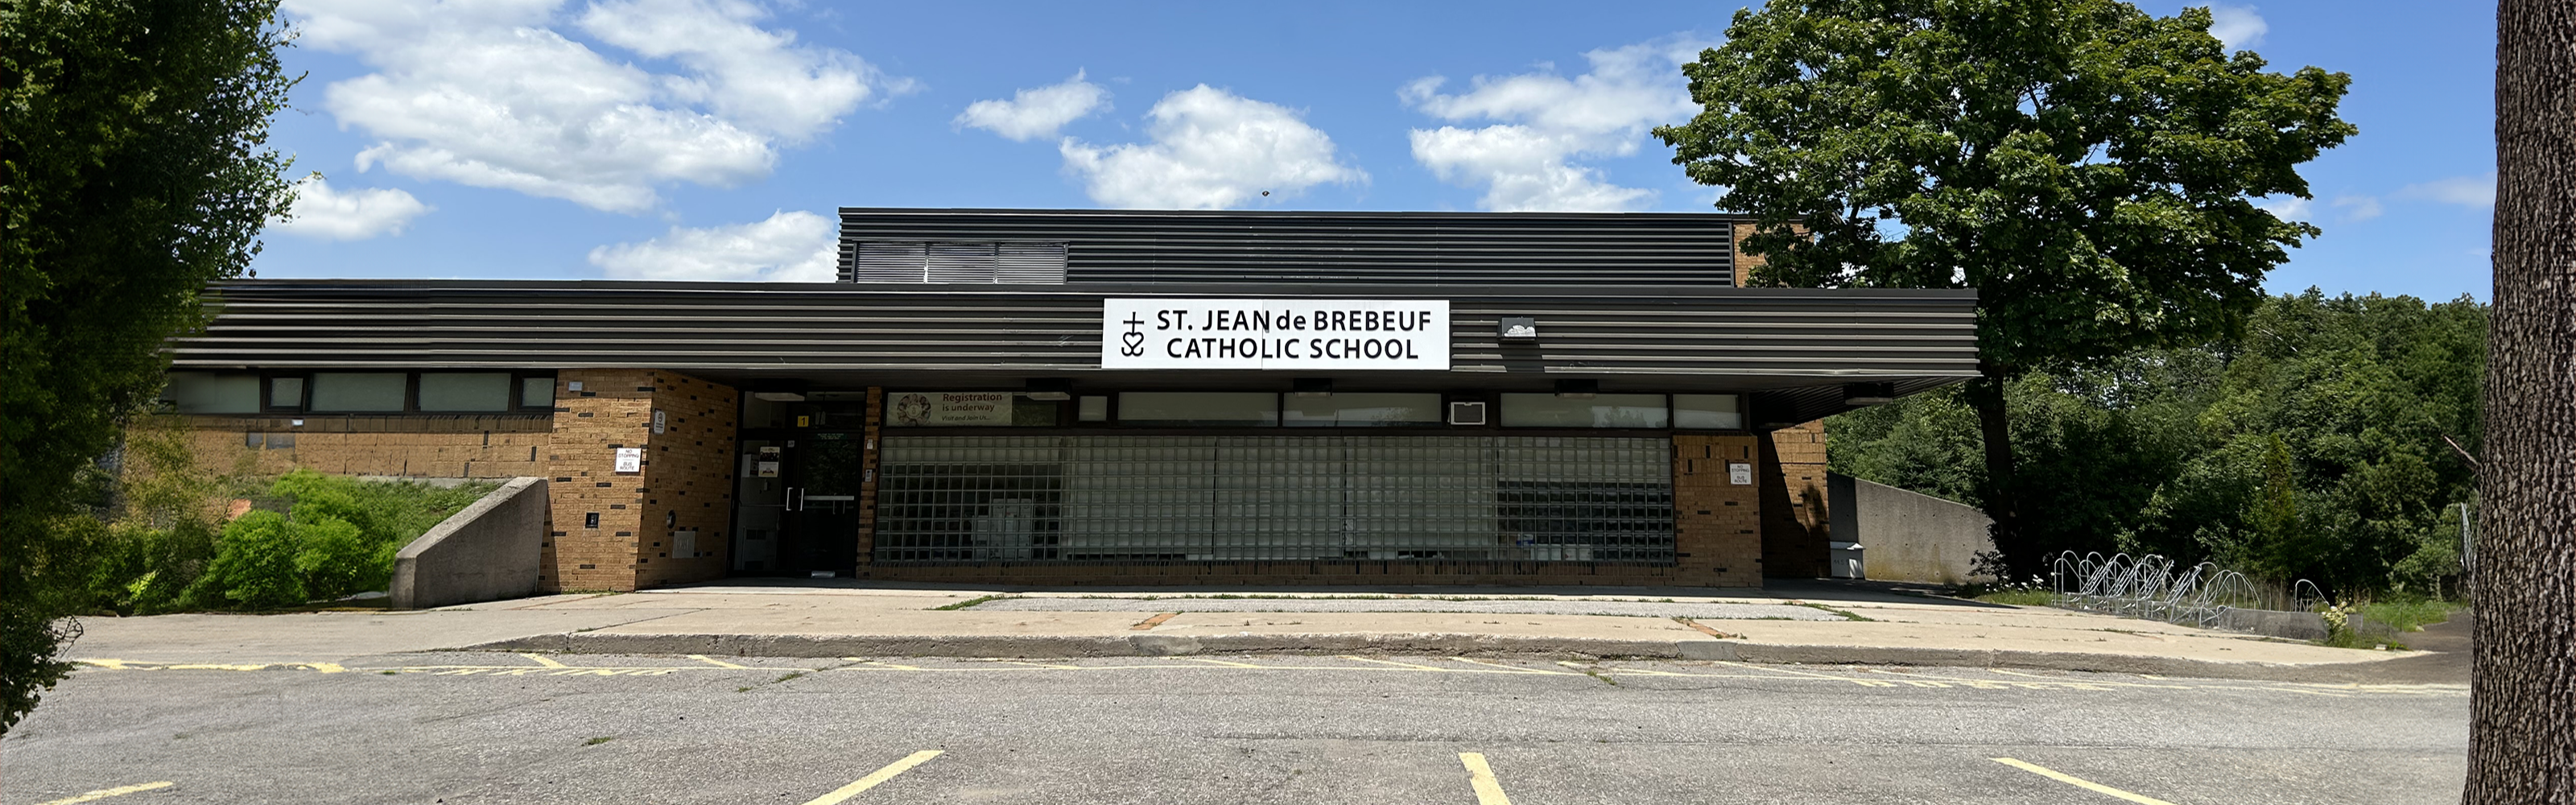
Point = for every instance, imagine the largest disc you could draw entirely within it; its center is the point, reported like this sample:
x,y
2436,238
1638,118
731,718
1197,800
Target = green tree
x,y
134,169
2317,446
2084,165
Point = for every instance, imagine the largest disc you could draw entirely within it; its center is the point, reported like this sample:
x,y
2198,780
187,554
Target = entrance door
x,y
799,502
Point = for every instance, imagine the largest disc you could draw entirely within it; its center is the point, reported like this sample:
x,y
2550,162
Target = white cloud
x,y
2466,191
322,213
1544,122
490,93
791,246
2237,27
2358,208
1040,112
1209,149
2287,208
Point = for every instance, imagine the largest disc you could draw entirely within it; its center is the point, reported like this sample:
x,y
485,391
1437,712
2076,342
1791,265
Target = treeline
x,y
2318,445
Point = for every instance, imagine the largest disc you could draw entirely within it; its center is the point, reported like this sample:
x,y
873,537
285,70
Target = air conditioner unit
x,y
1467,413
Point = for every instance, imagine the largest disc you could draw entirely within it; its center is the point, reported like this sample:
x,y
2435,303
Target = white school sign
x,y
1275,334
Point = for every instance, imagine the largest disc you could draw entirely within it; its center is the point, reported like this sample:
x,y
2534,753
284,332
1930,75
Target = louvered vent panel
x,y
1030,264
1342,248
961,262
891,261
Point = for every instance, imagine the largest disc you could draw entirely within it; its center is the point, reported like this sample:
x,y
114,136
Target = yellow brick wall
x,y
1796,522
413,446
1745,262
689,481
683,481
1717,523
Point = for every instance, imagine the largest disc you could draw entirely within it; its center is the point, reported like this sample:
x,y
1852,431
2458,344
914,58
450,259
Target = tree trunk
x,y
1997,495
2522,726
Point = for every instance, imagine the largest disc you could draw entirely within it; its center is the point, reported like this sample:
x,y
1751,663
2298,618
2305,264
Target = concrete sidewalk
x,y
1798,623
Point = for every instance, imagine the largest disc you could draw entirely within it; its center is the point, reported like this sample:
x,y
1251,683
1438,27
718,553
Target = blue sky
x,y
711,139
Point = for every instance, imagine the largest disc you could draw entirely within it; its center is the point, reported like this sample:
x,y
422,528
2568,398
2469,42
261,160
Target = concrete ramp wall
x,y
488,552
1906,536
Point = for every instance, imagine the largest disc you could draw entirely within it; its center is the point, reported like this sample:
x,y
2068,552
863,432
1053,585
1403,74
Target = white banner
x,y
1274,334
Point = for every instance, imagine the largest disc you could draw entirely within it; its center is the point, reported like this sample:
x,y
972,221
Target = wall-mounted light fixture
x,y
1049,388
1578,389
1518,328
1312,386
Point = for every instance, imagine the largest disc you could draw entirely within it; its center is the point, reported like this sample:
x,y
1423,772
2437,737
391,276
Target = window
x,y
359,392
1362,410
973,262
442,392
286,392
362,392
1198,408
536,392
1275,497
1597,411
1708,411
210,393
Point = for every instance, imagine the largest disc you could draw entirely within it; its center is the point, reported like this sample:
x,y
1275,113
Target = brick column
x,y
1796,522
868,481
689,473
611,528
1717,523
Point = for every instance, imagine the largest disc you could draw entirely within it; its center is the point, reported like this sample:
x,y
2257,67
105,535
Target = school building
x,y
1119,397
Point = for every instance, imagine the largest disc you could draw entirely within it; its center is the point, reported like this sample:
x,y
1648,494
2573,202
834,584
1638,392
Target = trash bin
x,y
1846,560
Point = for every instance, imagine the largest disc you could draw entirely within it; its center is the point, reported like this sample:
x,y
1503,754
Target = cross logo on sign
x,y
1133,343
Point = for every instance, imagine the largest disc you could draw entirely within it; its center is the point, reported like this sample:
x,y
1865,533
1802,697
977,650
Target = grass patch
x,y
787,677
1605,679
970,602
1847,614
599,740
2409,616
2025,594
2019,598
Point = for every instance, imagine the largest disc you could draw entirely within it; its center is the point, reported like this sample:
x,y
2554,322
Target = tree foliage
x,y
2311,447
2086,166
134,169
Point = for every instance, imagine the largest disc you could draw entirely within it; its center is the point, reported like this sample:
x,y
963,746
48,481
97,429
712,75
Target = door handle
x,y
795,499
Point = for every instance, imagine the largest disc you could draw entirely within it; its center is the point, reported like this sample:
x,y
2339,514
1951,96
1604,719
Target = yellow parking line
x,y
1648,672
2079,782
104,793
1404,665
1228,663
843,793
1512,668
717,663
1489,791
542,660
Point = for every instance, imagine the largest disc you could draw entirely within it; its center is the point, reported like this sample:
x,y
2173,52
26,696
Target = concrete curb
x,y
1425,643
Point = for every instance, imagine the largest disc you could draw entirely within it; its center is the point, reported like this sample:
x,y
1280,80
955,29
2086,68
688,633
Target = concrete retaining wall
x,y
487,552
1905,536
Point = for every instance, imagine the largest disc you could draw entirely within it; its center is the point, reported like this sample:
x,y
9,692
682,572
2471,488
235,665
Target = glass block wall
x,y
945,499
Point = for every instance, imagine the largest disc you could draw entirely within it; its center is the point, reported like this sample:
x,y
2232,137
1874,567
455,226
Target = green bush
x,y
2316,444
338,536
254,566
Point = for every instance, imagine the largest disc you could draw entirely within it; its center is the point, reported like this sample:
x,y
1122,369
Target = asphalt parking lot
x,y
513,728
